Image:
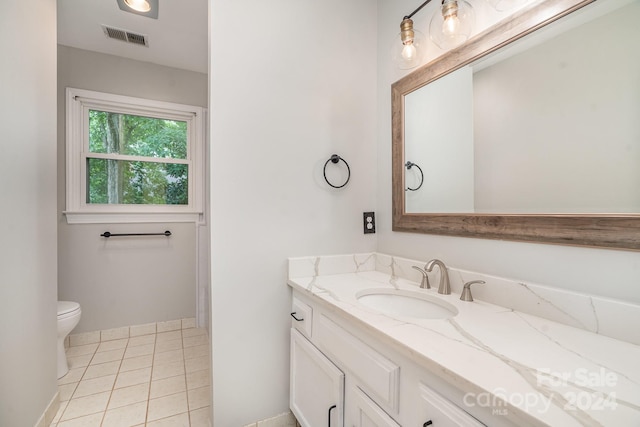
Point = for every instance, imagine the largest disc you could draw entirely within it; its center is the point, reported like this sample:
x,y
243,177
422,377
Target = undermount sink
x,y
398,302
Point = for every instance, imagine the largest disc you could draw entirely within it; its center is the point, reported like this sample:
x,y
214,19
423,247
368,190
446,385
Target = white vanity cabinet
x,y
364,412
371,385
317,386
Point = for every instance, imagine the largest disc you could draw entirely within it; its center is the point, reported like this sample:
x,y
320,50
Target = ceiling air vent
x,y
125,36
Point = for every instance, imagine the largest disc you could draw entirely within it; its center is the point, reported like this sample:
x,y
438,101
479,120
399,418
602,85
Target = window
x,y
133,160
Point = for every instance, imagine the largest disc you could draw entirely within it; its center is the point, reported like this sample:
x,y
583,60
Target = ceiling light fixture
x,y
139,5
148,8
450,26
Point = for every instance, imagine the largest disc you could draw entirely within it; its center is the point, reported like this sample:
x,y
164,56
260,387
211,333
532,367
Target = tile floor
x,y
150,380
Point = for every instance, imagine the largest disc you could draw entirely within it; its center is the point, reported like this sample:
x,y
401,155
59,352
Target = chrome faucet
x,y
444,287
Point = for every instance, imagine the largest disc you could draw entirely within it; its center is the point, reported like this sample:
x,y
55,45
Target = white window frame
x,y
78,211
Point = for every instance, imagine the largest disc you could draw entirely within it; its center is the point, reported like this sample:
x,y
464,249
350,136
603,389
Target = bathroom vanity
x,y
362,363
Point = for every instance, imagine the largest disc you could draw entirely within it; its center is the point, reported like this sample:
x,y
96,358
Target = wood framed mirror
x,y
601,228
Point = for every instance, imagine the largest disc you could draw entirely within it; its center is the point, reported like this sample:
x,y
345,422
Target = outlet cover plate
x,y
369,222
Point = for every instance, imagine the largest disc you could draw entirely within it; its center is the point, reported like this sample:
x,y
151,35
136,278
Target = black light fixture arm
x,y
417,10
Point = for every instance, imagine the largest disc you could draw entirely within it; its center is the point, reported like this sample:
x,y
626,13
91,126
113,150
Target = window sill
x,y
130,217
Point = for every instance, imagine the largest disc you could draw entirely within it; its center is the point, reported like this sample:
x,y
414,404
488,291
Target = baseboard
x,y
283,420
128,331
50,412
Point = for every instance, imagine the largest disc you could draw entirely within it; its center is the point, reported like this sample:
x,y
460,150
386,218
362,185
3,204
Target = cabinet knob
x,y
428,423
294,316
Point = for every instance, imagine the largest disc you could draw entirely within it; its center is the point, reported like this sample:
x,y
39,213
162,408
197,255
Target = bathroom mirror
x,y
569,174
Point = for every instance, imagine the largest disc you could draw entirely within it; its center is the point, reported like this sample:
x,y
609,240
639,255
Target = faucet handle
x,y
466,290
425,279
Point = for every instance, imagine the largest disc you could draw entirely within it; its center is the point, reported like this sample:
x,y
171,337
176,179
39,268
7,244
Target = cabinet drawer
x,y
431,406
378,376
301,317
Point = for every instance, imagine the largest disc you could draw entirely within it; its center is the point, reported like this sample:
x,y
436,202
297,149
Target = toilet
x,y
68,318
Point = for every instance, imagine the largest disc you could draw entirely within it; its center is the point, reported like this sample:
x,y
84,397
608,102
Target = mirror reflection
x,y
548,125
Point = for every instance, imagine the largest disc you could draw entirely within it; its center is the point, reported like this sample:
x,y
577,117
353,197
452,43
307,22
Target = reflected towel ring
x,y
409,165
335,159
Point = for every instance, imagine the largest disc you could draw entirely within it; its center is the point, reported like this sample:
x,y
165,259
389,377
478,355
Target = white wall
x,y
609,273
291,83
132,280
28,302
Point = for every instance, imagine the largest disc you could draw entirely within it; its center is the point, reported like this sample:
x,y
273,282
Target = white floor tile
x,y
81,361
168,345
197,364
84,338
142,340
101,370
180,420
73,376
169,336
129,378
139,350
167,386
200,417
169,356
81,350
113,345
125,416
197,340
86,406
129,395
138,380
134,363
198,379
167,406
107,356
199,398
92,420
66,391
94,386
196,351
166,370
193,332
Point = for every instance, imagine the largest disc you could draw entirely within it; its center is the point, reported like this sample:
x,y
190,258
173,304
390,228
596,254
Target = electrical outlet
x,y
369,222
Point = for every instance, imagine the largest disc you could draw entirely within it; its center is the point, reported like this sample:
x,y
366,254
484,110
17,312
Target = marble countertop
x,y
529,369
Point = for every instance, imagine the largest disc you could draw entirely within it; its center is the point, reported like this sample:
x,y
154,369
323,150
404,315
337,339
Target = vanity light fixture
x,y
148,8
450,26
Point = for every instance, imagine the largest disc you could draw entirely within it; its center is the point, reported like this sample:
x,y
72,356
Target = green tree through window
x,y
148,167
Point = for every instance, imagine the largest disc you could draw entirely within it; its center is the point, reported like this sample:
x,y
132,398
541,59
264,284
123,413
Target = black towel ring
x,y
335,159
409,165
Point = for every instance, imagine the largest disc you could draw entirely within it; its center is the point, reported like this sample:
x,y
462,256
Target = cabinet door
x,y
364,412
317,386
432,407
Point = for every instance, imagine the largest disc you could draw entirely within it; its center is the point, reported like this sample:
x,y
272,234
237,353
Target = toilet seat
x,y
67,309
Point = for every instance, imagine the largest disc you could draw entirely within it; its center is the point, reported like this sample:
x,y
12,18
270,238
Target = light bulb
x,y
412,41
139,5
451,25
409,51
